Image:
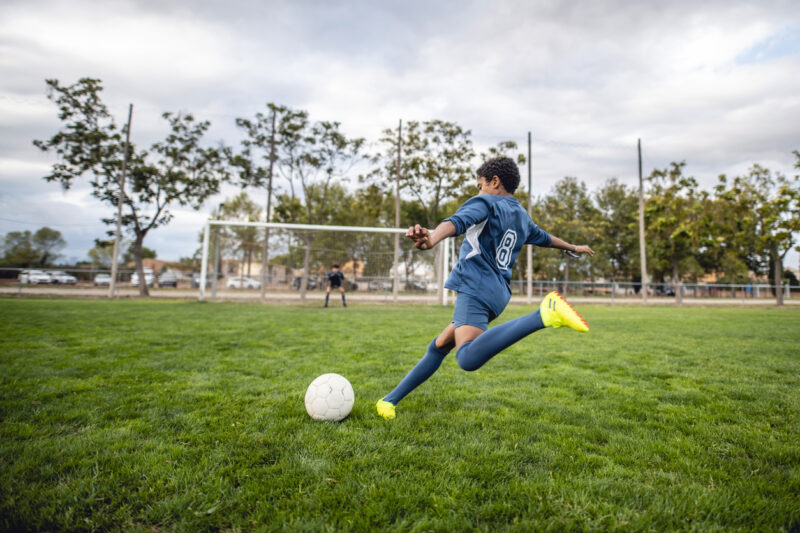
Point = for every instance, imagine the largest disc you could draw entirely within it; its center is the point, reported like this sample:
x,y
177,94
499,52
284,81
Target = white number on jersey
x,y
506,249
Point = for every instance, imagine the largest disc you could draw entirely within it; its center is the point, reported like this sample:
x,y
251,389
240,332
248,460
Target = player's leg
x,y
341,290
327,295
553,311
425,368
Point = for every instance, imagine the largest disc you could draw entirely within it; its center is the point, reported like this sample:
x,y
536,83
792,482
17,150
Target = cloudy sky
x,y
716,85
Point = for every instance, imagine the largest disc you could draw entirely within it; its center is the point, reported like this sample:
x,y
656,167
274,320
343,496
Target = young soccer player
x,y
496,228
335,279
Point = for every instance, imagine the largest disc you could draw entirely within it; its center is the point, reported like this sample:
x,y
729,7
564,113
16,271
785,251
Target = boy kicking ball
x,y
496,228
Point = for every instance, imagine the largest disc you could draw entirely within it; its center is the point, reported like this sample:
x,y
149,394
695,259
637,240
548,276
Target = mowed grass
x,y
187,416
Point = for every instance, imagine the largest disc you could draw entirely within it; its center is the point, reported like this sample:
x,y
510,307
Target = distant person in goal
x,y
496,228
335,279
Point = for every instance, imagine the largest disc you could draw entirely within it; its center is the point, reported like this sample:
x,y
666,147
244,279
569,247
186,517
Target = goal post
x,y
368,256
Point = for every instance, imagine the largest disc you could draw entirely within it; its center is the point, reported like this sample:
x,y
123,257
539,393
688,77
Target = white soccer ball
x,y
329,397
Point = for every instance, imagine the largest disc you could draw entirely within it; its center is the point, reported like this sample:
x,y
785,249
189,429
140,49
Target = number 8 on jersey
x,y
506,249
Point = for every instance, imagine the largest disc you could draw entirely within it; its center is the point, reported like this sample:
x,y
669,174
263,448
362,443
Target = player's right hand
x,y
417,233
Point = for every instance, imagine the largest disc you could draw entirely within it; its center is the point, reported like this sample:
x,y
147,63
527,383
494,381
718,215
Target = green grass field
x,y
145,415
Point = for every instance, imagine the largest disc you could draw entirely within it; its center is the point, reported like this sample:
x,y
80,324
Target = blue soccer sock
x,y
422,371
343,302
327,296
472,355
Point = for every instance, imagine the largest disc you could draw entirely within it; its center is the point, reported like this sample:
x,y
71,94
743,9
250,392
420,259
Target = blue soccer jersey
x,y
496,228
335,279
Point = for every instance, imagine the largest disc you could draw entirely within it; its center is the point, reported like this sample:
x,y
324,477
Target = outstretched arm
x,y
425,240
555,242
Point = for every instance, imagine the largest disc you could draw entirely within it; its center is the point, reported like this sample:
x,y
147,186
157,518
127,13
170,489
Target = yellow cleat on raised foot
x,y
385,409
556,312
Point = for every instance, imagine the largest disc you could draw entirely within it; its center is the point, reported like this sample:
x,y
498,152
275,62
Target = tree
x,y
312,157
243,239
435,164
256,163
18,249
617,243
101,253
176,171
26,249
673,213
130,253
568,213
47,242
769,215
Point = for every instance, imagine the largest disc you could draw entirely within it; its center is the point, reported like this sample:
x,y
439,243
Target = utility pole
x,y
642,252
396,284
265,268
529,251
112,286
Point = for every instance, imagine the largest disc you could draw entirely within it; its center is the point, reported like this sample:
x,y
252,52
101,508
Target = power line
x,y
43,223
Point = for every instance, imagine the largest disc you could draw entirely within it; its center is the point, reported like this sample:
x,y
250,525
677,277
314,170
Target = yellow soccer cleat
x,y
556,312
385,409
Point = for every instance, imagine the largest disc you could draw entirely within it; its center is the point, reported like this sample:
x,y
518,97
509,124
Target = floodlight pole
x,y
396,273
265,268
529,250
642,251
112,285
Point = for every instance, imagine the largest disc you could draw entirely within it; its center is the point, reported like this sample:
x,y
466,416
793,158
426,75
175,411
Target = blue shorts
x,y
470,311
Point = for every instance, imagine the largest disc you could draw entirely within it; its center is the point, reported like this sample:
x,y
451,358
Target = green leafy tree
x,y
673,212
568,212
18,249
26,249
244,239
47,242
130,253
101,253
617,242
435,164
176,171
313,159
257,163
768,206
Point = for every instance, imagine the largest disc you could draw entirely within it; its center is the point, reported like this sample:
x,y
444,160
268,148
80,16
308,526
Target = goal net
x,y
292,261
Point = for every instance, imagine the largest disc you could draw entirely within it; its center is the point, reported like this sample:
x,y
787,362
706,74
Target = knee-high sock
x,y
472,355
327,296
343,302
422,371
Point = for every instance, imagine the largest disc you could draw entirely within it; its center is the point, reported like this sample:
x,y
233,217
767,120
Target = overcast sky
x,y
717,85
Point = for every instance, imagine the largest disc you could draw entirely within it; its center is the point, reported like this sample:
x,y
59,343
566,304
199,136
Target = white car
x,y
149,277
34,277
102,280
59,276
243,283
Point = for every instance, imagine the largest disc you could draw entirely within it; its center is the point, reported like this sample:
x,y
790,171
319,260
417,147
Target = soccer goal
x,y
292,261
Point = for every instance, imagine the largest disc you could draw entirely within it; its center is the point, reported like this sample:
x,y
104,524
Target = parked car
x,y
665,290
61,277
379,285
416,286
311,282
209,279
34,277
102,280
168,279
243,283
149,277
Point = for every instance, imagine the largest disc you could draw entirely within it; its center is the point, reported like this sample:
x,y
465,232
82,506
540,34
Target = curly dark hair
x,y
504,168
